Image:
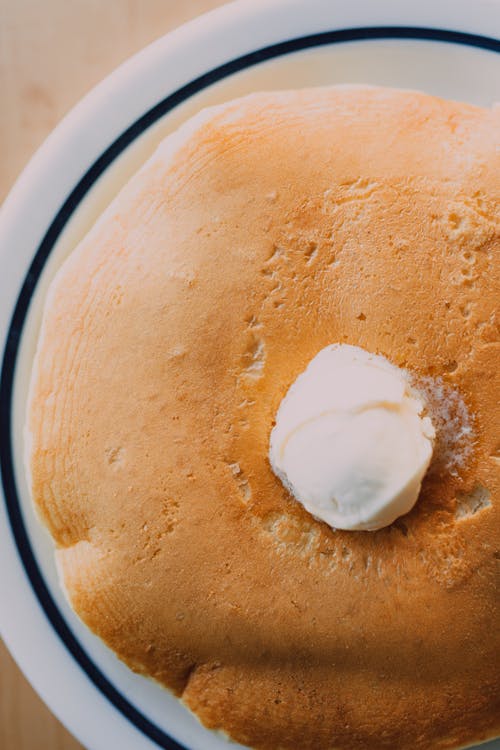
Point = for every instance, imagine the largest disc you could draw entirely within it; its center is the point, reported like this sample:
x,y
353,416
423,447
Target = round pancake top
x,y
262,231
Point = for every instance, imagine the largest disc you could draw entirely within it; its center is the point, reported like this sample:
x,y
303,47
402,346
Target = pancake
x,y
262,231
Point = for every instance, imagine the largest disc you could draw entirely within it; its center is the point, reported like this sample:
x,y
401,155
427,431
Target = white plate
x,y
444,47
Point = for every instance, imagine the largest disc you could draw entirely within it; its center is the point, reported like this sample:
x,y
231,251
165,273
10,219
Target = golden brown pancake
x,y
264,230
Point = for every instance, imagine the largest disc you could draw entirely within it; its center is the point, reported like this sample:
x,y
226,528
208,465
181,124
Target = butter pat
x,y
351,442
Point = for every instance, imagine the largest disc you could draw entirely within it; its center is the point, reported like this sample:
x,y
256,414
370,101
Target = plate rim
x,y
14,513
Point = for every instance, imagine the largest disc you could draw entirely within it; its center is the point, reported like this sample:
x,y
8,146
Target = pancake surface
x,y
261,232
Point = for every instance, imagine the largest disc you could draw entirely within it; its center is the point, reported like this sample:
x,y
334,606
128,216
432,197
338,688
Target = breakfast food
x,y
263,231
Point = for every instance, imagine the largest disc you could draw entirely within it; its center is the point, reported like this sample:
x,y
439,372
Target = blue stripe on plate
x,y
136,717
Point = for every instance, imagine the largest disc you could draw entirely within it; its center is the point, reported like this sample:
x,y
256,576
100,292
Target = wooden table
x,y
51,53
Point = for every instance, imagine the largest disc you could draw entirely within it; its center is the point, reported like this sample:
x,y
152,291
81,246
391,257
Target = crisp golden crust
x,y
264,230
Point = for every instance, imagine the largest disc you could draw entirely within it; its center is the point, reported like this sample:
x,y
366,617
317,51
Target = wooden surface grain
x,y
51,54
